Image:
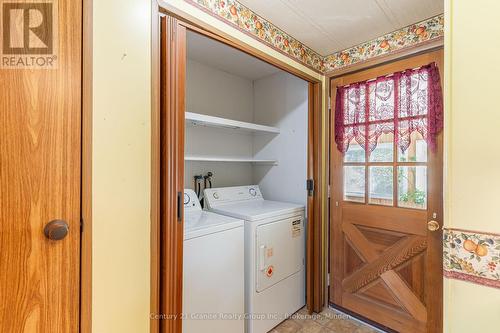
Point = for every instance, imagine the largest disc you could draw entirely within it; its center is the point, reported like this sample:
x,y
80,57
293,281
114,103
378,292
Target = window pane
x,y
381,185
412,187
355,153
354,183
381,135
417,151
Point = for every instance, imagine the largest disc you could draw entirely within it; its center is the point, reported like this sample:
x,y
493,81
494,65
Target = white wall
x,y
217,93
214,92
281,100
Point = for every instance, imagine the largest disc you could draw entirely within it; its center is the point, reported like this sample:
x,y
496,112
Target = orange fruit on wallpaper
x,y
233,10
258,25
420,31
384,44
470,245
344,56
481,250
285,42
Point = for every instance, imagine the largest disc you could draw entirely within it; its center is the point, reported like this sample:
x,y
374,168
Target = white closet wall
x,y
281,100
214,92
217,93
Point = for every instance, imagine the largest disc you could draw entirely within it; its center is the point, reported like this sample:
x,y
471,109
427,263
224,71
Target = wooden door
x,y
386,265
314,242
40,158
172,108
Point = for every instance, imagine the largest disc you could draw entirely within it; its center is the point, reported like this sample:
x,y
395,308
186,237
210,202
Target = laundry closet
x,y
245,197
246,122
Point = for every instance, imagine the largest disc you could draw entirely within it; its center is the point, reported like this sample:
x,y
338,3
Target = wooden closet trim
x,y
86,186
316,285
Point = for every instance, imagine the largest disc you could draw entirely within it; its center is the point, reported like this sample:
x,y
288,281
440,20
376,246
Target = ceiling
x,y
225,58
328,26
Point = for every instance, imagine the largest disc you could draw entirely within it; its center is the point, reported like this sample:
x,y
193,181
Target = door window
x,y
385,126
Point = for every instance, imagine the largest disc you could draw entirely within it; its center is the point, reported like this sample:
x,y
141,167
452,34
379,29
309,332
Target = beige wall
x,y
121,166
473,155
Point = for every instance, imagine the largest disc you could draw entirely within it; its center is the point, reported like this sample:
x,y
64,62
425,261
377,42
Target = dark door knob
x,y
56,229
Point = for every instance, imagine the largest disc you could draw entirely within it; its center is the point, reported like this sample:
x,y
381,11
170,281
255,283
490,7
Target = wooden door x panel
x,y
384,262
382,267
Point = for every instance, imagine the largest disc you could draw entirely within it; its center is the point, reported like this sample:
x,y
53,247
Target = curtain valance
x,y
400,103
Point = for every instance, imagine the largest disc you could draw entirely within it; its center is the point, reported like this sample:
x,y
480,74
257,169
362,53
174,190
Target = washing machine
x,y
213,270
274,253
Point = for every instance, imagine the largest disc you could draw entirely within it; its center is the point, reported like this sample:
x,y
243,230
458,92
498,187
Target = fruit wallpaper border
x,y
396,41
472,256
247,21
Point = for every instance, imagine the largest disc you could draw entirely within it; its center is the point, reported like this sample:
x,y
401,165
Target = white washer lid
x,y
201,223
258,209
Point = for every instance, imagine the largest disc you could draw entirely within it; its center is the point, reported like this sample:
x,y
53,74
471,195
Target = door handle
x,y
433,225
56,230
310,187
180,202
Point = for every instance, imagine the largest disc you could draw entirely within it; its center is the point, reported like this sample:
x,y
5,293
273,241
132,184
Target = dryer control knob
x,y
216,195
252,192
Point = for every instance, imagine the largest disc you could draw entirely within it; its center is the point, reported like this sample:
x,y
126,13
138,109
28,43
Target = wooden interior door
x,y
314,242
40,180
172,108
385,263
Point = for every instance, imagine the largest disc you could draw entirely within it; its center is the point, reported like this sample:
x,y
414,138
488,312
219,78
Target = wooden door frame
x,y
383,68
86,186
315,280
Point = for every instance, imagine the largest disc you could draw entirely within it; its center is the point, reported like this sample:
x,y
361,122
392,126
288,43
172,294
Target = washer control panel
x,y
225,195
191,201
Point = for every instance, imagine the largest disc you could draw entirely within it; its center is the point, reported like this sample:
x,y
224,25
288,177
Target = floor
x,y
328,321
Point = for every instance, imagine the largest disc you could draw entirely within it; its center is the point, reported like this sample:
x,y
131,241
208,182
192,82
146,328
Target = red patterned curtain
x,y
401,103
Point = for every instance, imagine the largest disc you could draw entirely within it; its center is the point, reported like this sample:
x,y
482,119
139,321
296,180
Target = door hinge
x,y
81,225
329,191
310,187
328,280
